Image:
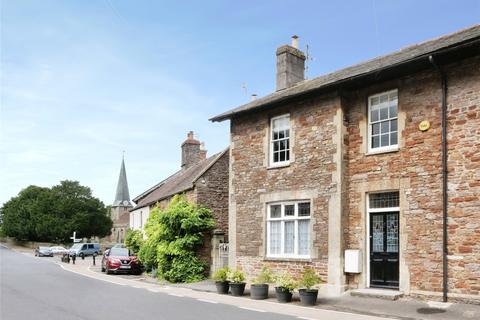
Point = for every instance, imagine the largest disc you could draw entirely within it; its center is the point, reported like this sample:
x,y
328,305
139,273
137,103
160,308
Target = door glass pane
x,y
275,237
392,232
289,237
304,237
377,233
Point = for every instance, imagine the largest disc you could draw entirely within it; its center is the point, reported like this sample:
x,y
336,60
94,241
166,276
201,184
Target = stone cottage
x,y
370,174
204,181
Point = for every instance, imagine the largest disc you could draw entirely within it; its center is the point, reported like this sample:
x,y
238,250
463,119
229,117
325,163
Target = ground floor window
x,y
288,229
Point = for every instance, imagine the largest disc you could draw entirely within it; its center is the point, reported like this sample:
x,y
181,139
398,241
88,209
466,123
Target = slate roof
x,y
122,193
400,57
179,182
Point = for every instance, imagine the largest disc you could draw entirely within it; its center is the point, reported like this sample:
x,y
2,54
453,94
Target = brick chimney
x,y
290,65
190,151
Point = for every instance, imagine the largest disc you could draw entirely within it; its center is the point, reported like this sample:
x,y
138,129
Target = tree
x,y
52,214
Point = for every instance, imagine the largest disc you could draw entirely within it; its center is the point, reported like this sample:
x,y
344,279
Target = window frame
x,y
295,218
271,142
393,147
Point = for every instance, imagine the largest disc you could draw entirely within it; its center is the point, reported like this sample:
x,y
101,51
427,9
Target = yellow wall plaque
x,y
424,125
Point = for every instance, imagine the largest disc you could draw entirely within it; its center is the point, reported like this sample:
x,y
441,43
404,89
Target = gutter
x,y
444,175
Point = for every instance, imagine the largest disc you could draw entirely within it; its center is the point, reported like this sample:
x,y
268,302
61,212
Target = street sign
x,y
75,240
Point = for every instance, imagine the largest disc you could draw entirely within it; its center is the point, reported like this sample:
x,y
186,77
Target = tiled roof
x,y
179,182
397,58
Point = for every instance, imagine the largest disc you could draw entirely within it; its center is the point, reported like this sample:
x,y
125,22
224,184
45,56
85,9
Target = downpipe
x,y
444,176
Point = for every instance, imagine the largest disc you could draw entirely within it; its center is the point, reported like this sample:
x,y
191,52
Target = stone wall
x,y
211,191
308,177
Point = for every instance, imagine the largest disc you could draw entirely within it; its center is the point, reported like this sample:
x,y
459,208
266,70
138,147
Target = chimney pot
x,y
254,97
295,41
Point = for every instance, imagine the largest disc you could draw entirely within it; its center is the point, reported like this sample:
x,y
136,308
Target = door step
x,y
377,293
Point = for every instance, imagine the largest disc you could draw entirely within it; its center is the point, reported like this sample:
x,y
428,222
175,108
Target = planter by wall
x,y
259,291
222,286
308,297
283,295
237,289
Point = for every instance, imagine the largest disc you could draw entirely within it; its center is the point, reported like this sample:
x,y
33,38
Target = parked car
x,y
58,250
43,252
84,249
120,260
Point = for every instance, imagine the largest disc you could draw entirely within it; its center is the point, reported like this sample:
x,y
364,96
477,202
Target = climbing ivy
x,y
173,238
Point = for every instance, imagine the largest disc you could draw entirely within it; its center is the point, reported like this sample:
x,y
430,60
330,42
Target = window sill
x,y
290,259
377,152
278,166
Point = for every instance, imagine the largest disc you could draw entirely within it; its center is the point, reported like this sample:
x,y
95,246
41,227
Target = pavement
x,y
345,307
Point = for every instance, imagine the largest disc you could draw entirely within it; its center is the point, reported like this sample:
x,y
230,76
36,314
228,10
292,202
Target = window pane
x,y
281,135
287,133
393,96
392,232
276,146
374,115
375,142
289,237
287,155
393,125
393,138
383,98
304,237
275,237
304,209
282,156
374,101
290,210
393,111
283,144
275,135
384,140
384,200
275,211
376,128
275,157
385,127
383,113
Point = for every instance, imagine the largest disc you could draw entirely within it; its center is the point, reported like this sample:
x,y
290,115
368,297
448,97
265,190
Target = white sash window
x,y
288,230
383,122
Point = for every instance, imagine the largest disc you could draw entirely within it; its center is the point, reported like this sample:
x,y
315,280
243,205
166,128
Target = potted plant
x,y
237,282
308,296
221,282
285,286
259,287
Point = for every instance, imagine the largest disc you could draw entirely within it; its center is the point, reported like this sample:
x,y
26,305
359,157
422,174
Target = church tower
x,y
120,207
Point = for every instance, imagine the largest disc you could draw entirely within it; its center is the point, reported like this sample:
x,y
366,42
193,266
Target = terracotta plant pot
x,y
222,286
283,295
259,291
308,297
237,289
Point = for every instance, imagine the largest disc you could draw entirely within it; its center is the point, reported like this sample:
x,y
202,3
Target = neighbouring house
x,y
119,212
369,174
203,181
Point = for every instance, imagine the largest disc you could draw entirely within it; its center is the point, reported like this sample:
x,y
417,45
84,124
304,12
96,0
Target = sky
x,y
83,81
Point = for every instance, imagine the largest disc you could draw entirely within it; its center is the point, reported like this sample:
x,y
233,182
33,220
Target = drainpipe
x,y
444,175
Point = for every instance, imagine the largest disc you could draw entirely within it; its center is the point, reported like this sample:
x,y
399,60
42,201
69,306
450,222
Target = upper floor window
x,y
288,229
280,140
383,121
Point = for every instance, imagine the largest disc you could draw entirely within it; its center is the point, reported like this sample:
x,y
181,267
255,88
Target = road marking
x,y
176,295
208,301
153,290
252,309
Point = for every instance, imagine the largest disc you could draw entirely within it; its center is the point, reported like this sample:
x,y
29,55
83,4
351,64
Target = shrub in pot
x,y
308,295
285,286
237,282
259,287
221,282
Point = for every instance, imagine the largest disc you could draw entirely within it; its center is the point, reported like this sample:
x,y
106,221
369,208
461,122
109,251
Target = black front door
x,y
384,249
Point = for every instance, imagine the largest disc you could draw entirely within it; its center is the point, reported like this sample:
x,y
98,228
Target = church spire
x,y
122,197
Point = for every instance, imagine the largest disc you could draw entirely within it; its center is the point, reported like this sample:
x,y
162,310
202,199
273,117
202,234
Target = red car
x,y
120,260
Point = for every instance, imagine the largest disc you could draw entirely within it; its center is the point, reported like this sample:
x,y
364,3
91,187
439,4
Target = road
x,y
37,288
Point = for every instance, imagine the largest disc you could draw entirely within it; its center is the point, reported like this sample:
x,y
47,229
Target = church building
x,y
120,208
